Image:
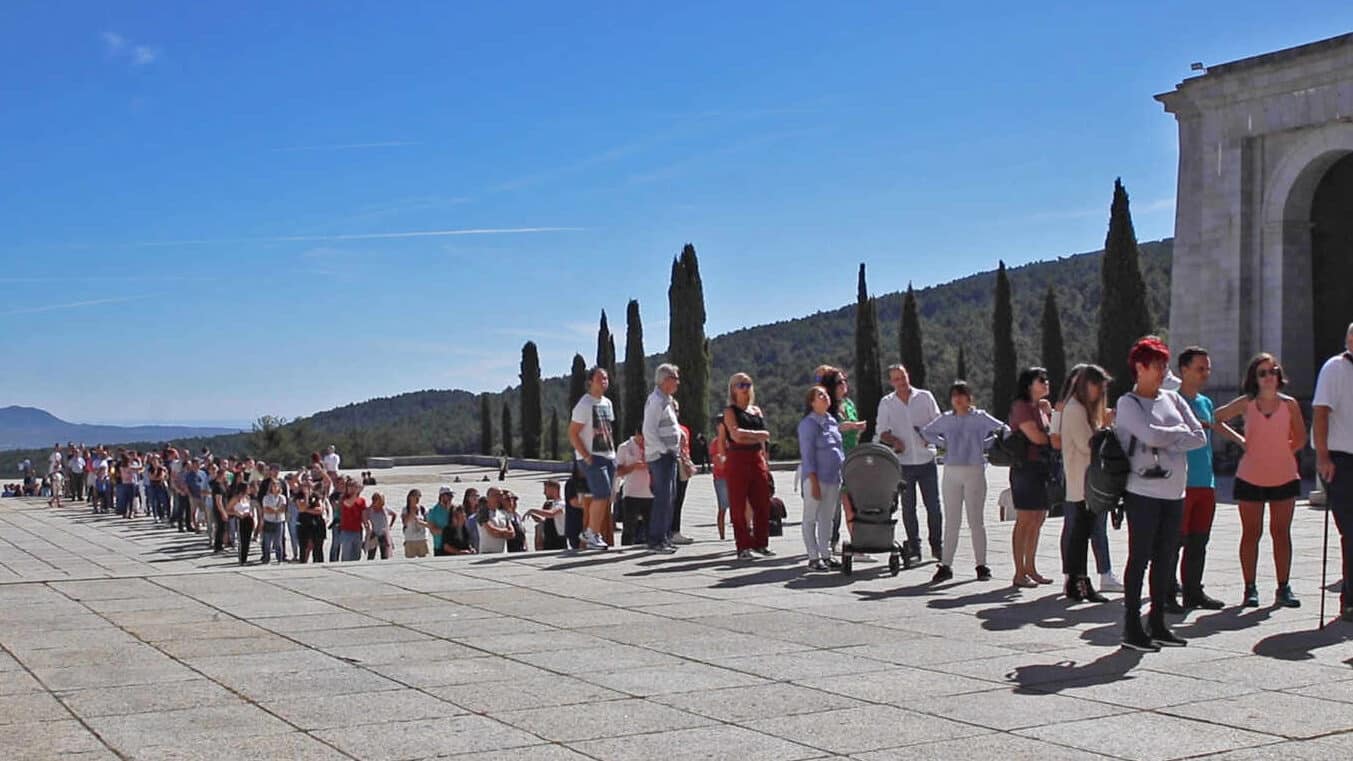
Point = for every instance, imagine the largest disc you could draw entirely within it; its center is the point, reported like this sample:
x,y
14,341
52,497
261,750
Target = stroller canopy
x,y
871,474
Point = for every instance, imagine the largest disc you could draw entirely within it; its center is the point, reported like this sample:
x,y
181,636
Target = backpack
x,y
1107,476
1010,450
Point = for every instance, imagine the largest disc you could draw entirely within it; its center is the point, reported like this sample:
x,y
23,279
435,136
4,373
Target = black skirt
x,y
1244,491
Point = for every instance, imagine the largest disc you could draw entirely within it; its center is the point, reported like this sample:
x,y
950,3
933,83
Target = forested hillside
x,y
780,356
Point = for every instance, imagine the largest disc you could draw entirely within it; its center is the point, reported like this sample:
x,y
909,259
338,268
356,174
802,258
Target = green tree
x,y
961,370
868,372
687,346
606,359
507,428
1004,362
577,382
1054,349
1124,314
554,433
531,412
485,425
636,370
913,356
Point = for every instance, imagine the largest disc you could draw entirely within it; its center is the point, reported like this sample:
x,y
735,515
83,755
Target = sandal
x,y
1024,582
1039,578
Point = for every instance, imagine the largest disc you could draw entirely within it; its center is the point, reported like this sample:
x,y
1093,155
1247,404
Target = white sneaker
x,y
1109,582
677,538
594,542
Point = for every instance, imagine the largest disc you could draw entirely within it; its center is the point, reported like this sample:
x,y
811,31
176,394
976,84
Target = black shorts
x,y
1029,486
1244,491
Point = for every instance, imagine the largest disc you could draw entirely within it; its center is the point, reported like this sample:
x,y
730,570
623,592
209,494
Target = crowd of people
x,y
1163,429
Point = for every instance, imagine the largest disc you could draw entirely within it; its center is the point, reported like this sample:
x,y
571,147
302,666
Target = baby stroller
x,y
873,476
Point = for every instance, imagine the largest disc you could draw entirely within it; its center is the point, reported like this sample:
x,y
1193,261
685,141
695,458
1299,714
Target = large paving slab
x,y
122,640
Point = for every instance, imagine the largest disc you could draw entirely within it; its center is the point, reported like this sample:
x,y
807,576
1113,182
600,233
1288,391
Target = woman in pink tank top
x,y
1274,433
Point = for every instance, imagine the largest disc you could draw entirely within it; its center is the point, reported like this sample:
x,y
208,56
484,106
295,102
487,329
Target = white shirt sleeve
x,y
1327,389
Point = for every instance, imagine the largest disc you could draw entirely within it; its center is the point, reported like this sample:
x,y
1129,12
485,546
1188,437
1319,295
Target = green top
x,y
848,415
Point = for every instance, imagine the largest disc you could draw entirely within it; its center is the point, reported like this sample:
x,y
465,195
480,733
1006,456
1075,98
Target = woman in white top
x,y
1082,411
241,508
415,526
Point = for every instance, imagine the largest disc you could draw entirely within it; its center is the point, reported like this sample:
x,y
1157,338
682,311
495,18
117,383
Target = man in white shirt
x,y
662,445
54,459
76,465
1332,433
331,461
590,433
901,416
637,504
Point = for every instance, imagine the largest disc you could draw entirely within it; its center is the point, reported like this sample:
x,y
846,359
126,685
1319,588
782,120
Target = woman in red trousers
x,y
747,472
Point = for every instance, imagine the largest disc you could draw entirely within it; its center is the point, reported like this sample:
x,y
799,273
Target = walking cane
x,y
1325,560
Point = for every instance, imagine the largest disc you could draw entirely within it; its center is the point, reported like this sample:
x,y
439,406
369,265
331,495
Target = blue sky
x,y
214,212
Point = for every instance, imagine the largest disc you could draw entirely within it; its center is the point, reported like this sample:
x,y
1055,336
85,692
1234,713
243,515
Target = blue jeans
x,y
350,543
272,540
927,478
334,547
293,531
159,501
124,494
663,476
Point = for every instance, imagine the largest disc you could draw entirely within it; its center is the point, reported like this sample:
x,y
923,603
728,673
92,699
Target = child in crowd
x,y
377,519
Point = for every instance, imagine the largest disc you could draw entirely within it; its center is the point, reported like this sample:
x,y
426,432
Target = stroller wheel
x,y
846,565
894,564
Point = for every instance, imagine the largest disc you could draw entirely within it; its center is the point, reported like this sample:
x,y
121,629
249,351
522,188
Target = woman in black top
x,y
747,473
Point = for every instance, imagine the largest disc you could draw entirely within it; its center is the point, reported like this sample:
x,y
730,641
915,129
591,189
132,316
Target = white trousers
x,y
965,491
818,515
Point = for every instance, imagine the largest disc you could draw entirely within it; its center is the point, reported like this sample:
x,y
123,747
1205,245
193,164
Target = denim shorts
x,y
600,477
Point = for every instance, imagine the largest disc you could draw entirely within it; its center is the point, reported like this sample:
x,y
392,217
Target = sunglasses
x,y
1276,372
743,386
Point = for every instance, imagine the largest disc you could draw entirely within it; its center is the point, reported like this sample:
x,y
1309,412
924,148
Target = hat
x,y
444,490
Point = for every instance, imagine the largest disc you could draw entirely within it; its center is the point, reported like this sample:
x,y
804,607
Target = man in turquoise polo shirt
x,y
1200,494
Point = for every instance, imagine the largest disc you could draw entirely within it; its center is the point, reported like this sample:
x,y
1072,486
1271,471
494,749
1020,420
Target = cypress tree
x,y
554,433
507,427
1054,350
606,360
868,373
1124,315
485,425
687,346
913,356
636,370
577,382
961,372
531,412
1004,361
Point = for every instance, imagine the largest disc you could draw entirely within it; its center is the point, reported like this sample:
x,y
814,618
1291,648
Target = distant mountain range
x,y
31,428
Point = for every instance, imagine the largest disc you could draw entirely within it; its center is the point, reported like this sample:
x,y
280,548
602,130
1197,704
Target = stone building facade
x,y
1263,249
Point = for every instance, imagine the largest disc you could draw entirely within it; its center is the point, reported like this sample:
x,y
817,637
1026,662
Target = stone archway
x,y
1332,258
1300,203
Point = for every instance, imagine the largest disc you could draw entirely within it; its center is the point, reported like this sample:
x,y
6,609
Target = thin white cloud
x,y
72,305
119,47
347,146
359,236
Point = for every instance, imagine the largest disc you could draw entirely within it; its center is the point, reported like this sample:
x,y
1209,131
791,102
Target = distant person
x,y
1084,410
1333,439
1031,415
54,459
718,468
76,466
590,432
576,500
1200,495
313,523
377,521
241,508
902,414
1157,428
331,462
351,519
415,524
965,432
274,521
439,517
1274,432
820,457
748,472
58,480
662,448
456,538
502,467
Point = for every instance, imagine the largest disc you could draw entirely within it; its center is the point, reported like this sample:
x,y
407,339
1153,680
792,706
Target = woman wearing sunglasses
x,y
1274,433
747,473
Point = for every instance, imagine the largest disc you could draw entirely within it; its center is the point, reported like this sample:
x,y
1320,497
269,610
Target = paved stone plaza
x,y
123,640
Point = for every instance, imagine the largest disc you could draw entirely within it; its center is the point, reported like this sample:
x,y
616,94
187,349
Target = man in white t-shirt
x,y
902,415
495,525
76,465
1332,434
593,439
550,529
331,461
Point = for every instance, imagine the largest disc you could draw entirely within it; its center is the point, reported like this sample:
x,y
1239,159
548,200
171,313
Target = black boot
x,y
1087,591
1195,557
1134,636
1072,590
1172,605
1161,634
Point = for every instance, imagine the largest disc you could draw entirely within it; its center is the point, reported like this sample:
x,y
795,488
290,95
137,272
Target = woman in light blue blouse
x,y
821,455
965,433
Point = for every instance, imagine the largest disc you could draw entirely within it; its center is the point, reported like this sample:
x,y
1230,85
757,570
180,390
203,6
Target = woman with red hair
x,y
1156,428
